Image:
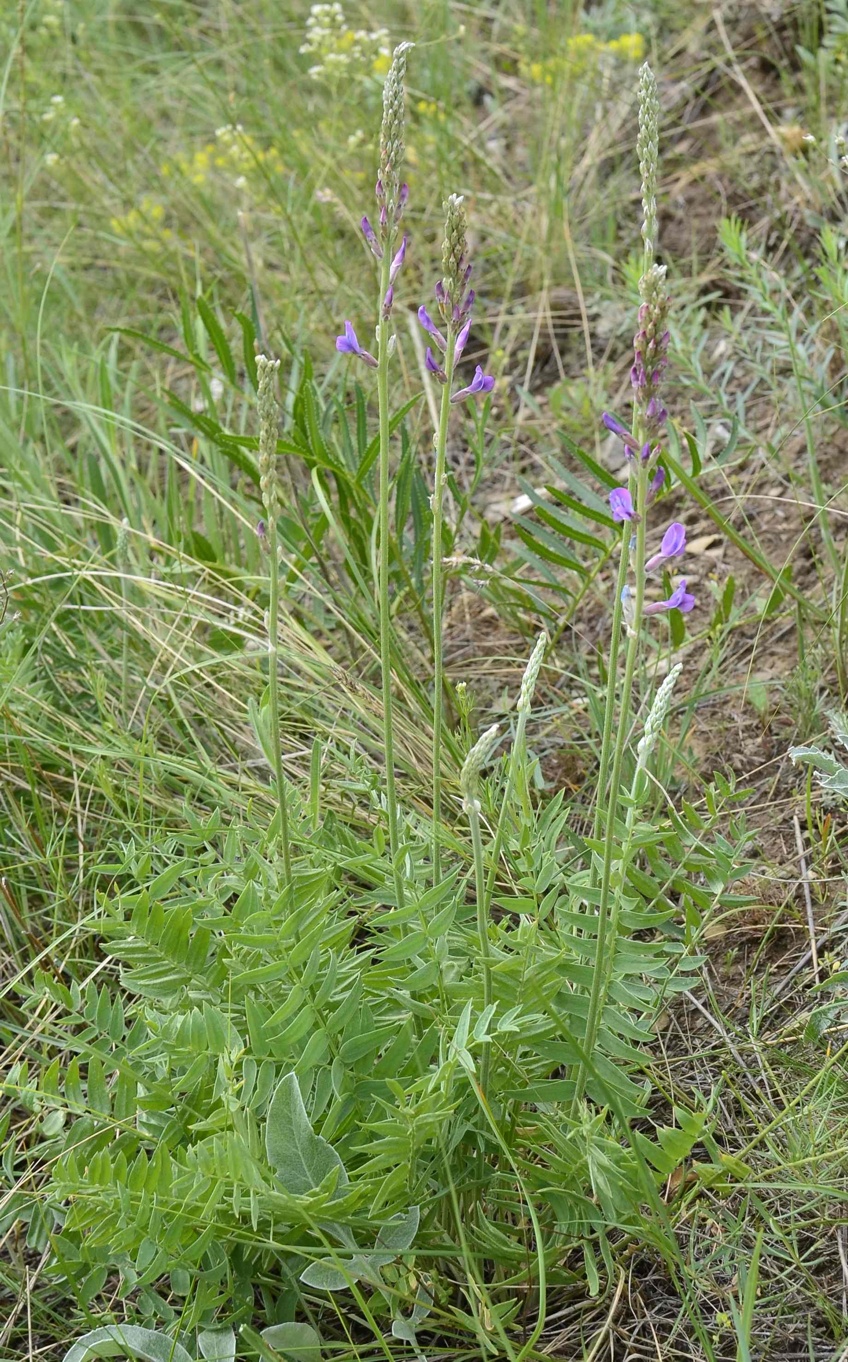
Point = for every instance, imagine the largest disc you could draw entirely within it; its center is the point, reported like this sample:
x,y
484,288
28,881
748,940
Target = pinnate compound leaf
x,y
127,1340
300,1342
217,1345
300,1158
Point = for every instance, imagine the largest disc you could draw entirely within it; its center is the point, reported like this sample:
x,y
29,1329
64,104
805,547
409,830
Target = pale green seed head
x,y
647,147
478,757
454,249
122,544
266,371
391,132
531,674
658,714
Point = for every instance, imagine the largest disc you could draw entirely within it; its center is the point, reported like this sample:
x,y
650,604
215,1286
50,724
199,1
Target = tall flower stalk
x,y
455,302
382,241
629,507
266,371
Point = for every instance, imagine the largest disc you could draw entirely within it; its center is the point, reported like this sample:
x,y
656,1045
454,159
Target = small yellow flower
x,y
581,44
380,65
628,46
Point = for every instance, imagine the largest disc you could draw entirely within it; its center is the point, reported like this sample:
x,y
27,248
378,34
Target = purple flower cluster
x,y
456,313
651,356
389,221
650,350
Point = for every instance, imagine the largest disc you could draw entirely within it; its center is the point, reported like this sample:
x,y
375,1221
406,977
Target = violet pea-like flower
x,y
349,345
371,237
656,482
621,505
672,546
480,383
680,599
434,366
461,340
398,260
614,425
430,327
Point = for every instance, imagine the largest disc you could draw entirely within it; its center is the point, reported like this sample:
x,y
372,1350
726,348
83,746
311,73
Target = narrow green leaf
x,y
218,339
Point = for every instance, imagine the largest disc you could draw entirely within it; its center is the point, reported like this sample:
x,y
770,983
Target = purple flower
x,y
618,429
387,302
398,260
349,345
371,237
434,366
655,411
680,599
464,308
480,383
621,504
430,327
461,339
672,546
656,483
638,377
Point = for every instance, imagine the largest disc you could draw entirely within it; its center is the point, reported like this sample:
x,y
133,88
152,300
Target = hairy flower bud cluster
x,y
531,675
456,302
391,193
478,757
647,148
658,714
266,371
391,196
455,274
650,349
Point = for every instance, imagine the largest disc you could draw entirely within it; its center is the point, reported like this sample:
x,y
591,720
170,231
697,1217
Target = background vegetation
x,y
182,182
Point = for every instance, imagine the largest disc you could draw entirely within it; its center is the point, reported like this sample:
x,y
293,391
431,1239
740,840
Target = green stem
x,y
482,930
612,685
438,603
606,942
385,623
274,695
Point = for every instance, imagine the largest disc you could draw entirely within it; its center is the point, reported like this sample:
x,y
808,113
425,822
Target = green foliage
x,y
238,1114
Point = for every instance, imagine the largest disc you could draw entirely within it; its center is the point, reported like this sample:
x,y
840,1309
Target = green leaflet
x,y
127,1340
300,1158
